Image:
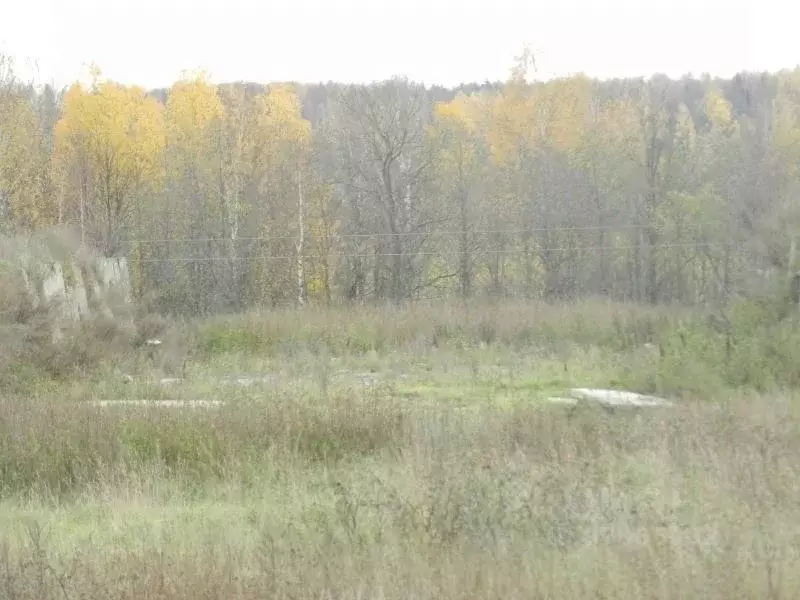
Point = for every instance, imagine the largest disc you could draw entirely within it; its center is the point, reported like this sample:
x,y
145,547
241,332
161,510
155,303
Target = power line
x,y
516,251
409,234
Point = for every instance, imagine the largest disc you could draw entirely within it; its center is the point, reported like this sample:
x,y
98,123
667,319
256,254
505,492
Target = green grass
x,y
524,503
410,454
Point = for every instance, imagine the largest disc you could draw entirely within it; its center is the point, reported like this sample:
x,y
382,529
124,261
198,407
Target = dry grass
x,y
355,499
445,479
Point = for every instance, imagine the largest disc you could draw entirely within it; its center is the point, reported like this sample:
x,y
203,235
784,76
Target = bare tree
x,y
386,122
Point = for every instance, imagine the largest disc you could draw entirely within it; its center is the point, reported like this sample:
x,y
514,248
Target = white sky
x,y
149,42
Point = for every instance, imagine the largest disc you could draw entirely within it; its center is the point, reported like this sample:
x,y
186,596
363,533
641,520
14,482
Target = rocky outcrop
x,y
50,272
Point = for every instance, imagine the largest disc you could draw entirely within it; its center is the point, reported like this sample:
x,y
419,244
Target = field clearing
x,y
398,469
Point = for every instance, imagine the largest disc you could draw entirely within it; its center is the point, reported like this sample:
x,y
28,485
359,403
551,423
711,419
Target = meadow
x,y
405,453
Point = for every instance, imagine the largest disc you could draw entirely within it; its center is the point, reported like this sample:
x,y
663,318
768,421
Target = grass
x,y
409,454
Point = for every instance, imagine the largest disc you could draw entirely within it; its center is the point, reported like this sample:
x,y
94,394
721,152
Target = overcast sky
x,y
149,42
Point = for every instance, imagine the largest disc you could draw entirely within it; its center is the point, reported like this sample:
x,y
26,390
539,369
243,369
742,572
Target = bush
x,y
754,344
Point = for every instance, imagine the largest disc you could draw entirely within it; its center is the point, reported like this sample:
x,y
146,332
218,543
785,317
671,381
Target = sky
x,y
151,42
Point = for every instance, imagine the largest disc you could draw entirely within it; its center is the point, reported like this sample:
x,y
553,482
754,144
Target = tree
x,y
511,141
460,163
190,207
287,140
109,146
658,113
609,157
383,134
245,194
26,200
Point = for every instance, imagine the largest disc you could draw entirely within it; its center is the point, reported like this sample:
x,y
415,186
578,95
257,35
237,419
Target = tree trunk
x,y
602,284
652,265
82,209
301,275
465,266
396,244
527,258
231,224
636,266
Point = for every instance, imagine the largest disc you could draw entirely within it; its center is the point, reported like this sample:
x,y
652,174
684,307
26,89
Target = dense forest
x,y
225,197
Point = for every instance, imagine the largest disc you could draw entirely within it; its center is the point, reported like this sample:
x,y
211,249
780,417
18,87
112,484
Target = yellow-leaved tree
x,y
190,208
610,158
458,138
323,228
786,143
108,151
194,117
25,199
285,144
786,130
193,106
518,125
562,112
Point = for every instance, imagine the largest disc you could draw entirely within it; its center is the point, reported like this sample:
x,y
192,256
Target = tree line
x,y
224,197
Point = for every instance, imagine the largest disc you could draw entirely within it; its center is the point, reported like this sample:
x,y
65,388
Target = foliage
x,y
439,472
109,146
243,195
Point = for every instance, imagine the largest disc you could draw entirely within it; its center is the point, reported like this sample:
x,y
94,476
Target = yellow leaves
x,y
23,156
717,109
462,113
512,122
23,163
194,113
563,112
619,121
786,125
456,132
267,132
116,130
553,114
316,285
281,122
193,105
685,134
108,149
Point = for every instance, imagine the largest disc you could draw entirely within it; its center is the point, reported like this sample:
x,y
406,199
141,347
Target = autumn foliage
x,y
231,196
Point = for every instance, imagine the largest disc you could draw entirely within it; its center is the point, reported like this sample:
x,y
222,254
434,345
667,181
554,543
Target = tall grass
x,y
349,498
314,490
751,344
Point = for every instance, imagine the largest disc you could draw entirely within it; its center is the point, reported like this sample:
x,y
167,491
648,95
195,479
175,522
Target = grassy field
x,y
378,453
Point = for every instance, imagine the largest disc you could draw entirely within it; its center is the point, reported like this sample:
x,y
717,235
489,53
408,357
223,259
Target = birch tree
x,y
109,144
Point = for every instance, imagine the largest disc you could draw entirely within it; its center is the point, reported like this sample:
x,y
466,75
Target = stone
x,y
610,399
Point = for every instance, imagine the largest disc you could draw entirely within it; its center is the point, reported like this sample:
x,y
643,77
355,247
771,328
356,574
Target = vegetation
x,y
383,285
406,453
245,196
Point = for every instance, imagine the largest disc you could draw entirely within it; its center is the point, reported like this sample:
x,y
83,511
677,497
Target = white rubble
x,y
610,398
159,403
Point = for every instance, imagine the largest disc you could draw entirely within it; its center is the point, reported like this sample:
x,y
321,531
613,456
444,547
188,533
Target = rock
x,y
610,399
618,397
55,271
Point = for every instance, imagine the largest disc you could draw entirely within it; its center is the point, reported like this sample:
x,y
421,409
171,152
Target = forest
x,y
473,266
238,195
